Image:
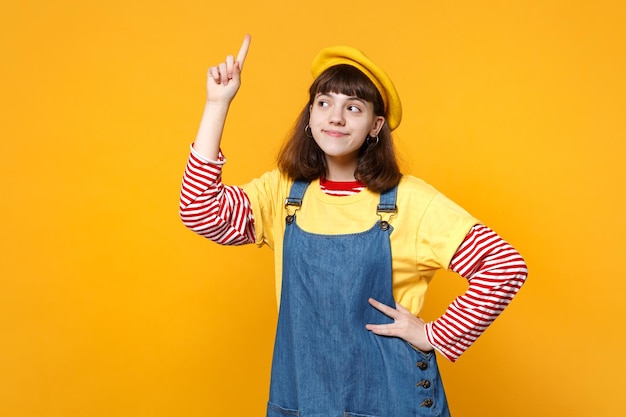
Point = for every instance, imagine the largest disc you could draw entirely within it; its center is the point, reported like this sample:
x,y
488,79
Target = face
x,y
340,124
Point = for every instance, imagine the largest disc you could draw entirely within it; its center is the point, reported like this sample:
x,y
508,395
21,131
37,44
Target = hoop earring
x,y
308,132
370,140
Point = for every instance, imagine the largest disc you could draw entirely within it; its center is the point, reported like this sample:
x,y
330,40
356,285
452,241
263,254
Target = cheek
x,y
313,117
317,121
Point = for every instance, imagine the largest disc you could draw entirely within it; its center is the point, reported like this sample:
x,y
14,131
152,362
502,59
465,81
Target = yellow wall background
x,y
110,307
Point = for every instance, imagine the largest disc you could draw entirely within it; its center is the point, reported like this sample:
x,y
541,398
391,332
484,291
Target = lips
x,y
335,133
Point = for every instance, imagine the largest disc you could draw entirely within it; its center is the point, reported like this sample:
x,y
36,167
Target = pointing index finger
x,y
243,51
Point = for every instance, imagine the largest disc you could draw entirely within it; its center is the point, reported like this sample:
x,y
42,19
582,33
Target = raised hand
x,y
224,79
223,82
405,325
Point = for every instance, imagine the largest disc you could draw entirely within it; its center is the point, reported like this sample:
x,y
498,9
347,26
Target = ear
x,y
379,122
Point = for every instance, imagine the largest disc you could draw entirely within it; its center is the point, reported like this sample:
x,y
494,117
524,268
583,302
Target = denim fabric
x,y
326,364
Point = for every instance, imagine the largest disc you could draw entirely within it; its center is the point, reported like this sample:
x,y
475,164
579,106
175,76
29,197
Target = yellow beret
x,y
337,55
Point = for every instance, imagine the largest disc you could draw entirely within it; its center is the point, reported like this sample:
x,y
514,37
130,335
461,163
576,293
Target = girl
x,y
355,245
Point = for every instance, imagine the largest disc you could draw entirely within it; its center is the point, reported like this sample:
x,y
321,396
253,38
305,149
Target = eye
x,y
354,108
322,103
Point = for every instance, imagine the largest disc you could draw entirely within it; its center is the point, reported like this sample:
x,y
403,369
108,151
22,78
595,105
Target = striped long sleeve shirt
x,y
494,270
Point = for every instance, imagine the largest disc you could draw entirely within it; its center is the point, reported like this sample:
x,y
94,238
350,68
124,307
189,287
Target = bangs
x,y
348,80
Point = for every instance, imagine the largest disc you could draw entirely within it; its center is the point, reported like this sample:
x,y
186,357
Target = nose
x,y
336,116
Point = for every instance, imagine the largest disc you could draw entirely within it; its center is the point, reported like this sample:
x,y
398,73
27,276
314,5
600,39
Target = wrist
x,y
424,348
216,105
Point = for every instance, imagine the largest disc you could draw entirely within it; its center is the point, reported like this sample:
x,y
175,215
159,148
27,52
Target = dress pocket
x,y
348,414
274,410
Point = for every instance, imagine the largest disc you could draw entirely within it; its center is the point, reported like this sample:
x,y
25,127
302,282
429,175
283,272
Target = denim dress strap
x,y
296,193
387,203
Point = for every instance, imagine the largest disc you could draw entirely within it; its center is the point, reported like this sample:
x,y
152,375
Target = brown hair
x,y
302,159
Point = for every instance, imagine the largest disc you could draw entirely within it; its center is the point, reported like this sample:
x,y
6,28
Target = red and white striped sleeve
x,y
496,272
216,211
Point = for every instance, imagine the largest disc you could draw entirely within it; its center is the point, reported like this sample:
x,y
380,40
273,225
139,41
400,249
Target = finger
x,y
383,308
229,66
223,73
376,328
243,51
381,329
214,74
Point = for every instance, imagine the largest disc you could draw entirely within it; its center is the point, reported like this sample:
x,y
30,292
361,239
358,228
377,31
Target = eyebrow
x,y
349,97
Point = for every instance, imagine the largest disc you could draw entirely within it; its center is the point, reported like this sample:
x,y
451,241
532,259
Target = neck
x,y
340,170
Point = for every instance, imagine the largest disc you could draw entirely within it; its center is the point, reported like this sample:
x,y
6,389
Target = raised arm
x,y
223,81
216,211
